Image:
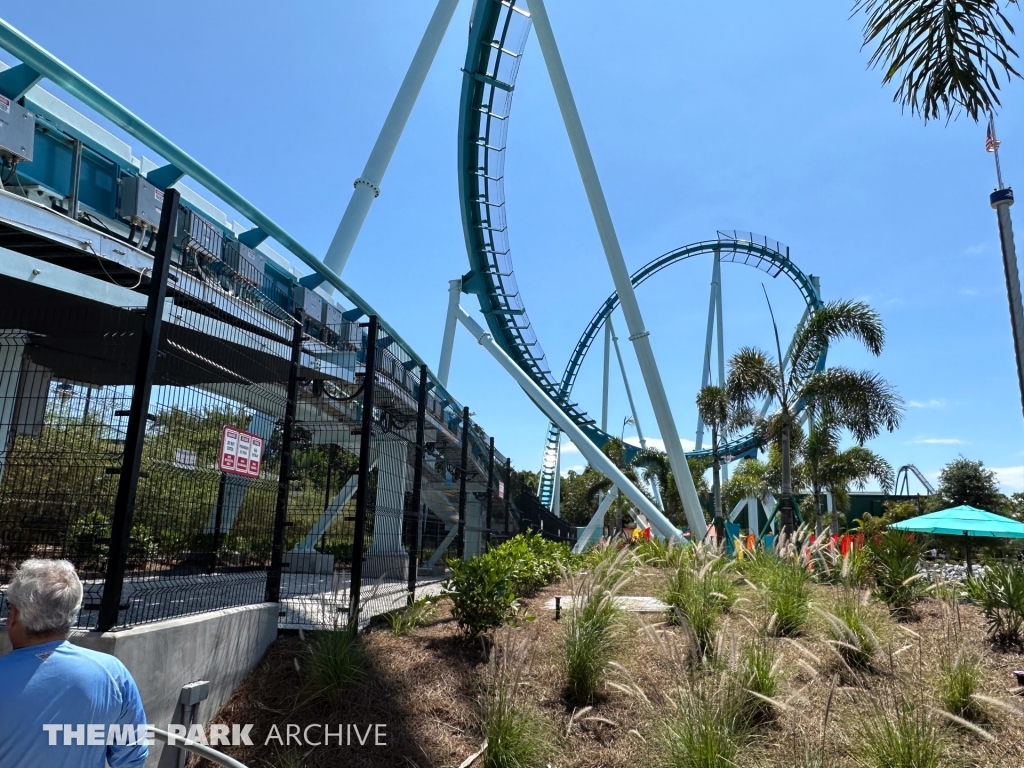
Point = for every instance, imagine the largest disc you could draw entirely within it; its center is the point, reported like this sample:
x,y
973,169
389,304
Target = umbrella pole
x,y
967,542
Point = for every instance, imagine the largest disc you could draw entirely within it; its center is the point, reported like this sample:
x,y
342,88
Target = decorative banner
x,y
240,452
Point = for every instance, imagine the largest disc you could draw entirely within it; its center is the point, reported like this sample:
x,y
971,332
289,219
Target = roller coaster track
x,y
760,253
903,479
497,38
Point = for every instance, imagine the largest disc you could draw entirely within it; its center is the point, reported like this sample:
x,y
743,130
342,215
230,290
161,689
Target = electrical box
x,y
197,234
17,130
332,318
311,302
141,202
249,264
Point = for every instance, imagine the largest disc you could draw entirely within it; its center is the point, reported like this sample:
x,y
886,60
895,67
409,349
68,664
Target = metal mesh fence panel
x,y
211,483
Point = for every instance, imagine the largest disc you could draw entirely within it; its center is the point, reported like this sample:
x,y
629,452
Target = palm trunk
x,y
716,474
835,517
786,492
817,511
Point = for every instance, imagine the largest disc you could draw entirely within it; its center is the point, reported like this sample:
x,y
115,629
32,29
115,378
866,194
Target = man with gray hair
x,y
62,706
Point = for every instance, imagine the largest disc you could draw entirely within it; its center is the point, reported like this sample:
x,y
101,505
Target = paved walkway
x,y
633,604
327,606
308,601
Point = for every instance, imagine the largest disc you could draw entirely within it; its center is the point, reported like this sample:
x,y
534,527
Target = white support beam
x,y
595,522
736,510
443,546
607,357
594,455
451,320
721,342
556,492
705,376
367,186
330,514
632,405
638,334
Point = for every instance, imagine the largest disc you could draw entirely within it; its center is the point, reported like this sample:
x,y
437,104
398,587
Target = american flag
x,y
991,142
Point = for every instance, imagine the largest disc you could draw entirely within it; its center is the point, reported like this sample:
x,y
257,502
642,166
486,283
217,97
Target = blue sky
x,y
701,116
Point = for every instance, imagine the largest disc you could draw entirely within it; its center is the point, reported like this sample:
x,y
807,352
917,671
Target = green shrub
x,y
89,543
481,591
1000,596
699,590
959,678
903,738
404,620
589,644
332,661
848,630
484,589
517,735
832,567
536,561
895,556
707,726
785,594
760,677
592,634
654,552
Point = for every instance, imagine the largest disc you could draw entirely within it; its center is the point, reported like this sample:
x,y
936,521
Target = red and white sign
x,y
240,452
501,490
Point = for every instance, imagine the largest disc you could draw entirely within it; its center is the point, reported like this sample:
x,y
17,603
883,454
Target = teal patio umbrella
x,y
964,521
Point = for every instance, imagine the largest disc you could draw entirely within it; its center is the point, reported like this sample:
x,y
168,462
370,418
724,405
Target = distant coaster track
x,y
497,38
764,254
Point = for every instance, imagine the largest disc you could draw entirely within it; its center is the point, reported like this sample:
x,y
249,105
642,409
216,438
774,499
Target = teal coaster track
x,y
733,248
497,39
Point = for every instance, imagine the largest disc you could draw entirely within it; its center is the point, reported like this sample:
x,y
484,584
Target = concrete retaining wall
x,y
220,646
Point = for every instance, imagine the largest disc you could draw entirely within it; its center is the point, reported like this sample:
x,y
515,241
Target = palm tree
x,y
945,55
616,450
859,401
829,469
648,462
655,462
723,416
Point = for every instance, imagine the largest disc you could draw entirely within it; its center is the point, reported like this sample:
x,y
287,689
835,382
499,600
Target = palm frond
x,y
945,55
830,323
860,401
753,375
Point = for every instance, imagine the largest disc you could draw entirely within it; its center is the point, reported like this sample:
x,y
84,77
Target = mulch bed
x,y
423,687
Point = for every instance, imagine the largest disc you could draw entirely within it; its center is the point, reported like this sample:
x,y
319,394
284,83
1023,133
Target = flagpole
x,y
1001,200
992,144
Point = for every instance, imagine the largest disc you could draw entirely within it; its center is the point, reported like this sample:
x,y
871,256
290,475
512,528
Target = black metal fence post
x,y
218,521
490,487
363,489
135,436
273,594
463,471
508,491
417,482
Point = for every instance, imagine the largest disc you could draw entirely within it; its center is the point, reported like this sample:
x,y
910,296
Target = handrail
x,y
193,746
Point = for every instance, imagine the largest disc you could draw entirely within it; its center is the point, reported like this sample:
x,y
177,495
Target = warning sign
x,y
501,490
240,452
